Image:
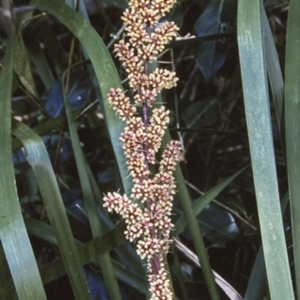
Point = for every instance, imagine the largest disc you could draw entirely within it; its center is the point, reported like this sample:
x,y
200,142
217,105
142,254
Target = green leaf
x,y
256,98
9,292
39,160
53,47
22,65
216,18
193,226
40,62
88,252
274,70
104,67
257,284
91,204
292,125
15,242
199,204
201,113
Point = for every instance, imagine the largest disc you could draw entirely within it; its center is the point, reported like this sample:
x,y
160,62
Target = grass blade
x,y
196,235
41,64
5,277
199,204
273,68
88,253
39,160
91,205
13,234
292,125
104,67
22,65
257,284
256,98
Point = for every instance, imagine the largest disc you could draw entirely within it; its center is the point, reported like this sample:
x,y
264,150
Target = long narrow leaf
x,y
199,204
13,234
39,160
256,98
257,284
5,277
195,231
104,67
292,123
273,68
91,205
88,252
41,64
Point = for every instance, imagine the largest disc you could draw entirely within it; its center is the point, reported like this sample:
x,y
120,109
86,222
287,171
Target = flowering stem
x,y
150,225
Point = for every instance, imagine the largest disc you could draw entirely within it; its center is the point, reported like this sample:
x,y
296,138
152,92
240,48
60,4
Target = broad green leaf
x,y
217,18
256,98
292,125
40,162
131,278
15,242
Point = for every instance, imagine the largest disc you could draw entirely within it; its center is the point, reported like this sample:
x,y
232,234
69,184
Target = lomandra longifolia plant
x,y
147,210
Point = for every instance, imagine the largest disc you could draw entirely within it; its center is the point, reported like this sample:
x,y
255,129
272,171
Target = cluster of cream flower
x,y
148,223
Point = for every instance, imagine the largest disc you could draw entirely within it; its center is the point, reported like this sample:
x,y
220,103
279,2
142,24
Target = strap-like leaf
x,y
256,98
104,67
39,160
292,125
13,234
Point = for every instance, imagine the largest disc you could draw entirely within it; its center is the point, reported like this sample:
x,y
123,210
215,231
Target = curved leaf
x,y
199,204
91,203
15,242
39,160
104,67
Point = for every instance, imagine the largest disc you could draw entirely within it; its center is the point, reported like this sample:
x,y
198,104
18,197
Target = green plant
x,y
141,139
53,227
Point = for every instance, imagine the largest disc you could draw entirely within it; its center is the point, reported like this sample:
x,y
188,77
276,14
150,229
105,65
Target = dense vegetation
x,y
235,111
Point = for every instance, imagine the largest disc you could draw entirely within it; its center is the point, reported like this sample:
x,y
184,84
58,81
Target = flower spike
x,y
148,223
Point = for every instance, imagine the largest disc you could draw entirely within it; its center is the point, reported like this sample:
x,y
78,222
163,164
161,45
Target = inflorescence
x,y
149,224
